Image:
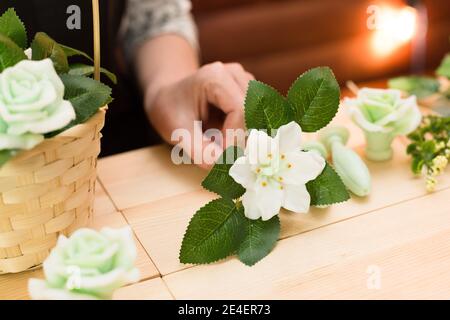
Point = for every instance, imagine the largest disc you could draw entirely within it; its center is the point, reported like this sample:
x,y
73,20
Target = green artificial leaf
x,y
327,188
12,27
412,148
87,97
428,149
71,52
421,87
259,239
415,136
444,68
79,69
314,96
44,47
417,165
219,180
10,53
5,156
265,108
214,232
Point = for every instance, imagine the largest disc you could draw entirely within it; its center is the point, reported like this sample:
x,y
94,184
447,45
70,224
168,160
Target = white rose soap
x,y
88,265
31,104
383,114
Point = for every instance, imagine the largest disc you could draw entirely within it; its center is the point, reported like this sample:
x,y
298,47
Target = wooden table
x,y
393,244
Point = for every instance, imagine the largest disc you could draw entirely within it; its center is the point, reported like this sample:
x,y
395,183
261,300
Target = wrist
x,y
151,92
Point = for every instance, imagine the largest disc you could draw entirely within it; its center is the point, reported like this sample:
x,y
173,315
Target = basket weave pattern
x,y
47,191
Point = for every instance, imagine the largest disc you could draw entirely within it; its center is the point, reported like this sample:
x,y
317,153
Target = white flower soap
x,y
383,114
31,104
88,265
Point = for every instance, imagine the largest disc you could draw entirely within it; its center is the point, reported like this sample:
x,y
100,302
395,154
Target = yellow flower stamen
x,y
283,157
264,184
289,165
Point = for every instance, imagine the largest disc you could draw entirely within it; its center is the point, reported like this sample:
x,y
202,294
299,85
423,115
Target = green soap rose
x,y
88,265
421,87
31,104
384,111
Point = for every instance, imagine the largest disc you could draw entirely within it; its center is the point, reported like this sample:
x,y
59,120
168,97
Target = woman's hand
x,y
214,94
178,93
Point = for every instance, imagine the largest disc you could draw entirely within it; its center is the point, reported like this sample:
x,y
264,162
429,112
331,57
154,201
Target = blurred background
x,y
276,40
279,39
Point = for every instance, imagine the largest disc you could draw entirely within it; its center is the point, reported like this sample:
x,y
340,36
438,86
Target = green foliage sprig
x,y
431,91
220,228
430,148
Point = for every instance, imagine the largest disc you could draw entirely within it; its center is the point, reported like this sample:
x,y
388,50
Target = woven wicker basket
x,y
47,191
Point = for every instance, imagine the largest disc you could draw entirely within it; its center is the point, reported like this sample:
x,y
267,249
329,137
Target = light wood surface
x,y
103,203
354,243
146,175
154,289
399,236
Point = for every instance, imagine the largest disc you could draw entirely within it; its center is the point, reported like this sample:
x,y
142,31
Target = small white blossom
x,y
274,172
431,183
439,164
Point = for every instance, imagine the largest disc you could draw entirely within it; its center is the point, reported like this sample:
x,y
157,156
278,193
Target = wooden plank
x,y
153,289
205,6
352,58
280,69
145,175
374,237
416,270
102,203
274,26
14,286
160,225
258,29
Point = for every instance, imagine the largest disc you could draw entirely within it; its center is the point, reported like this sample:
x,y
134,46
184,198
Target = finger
x,y
224,92
233,129
239,75
220,88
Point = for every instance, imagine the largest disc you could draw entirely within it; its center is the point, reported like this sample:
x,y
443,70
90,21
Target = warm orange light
x,y
393,28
